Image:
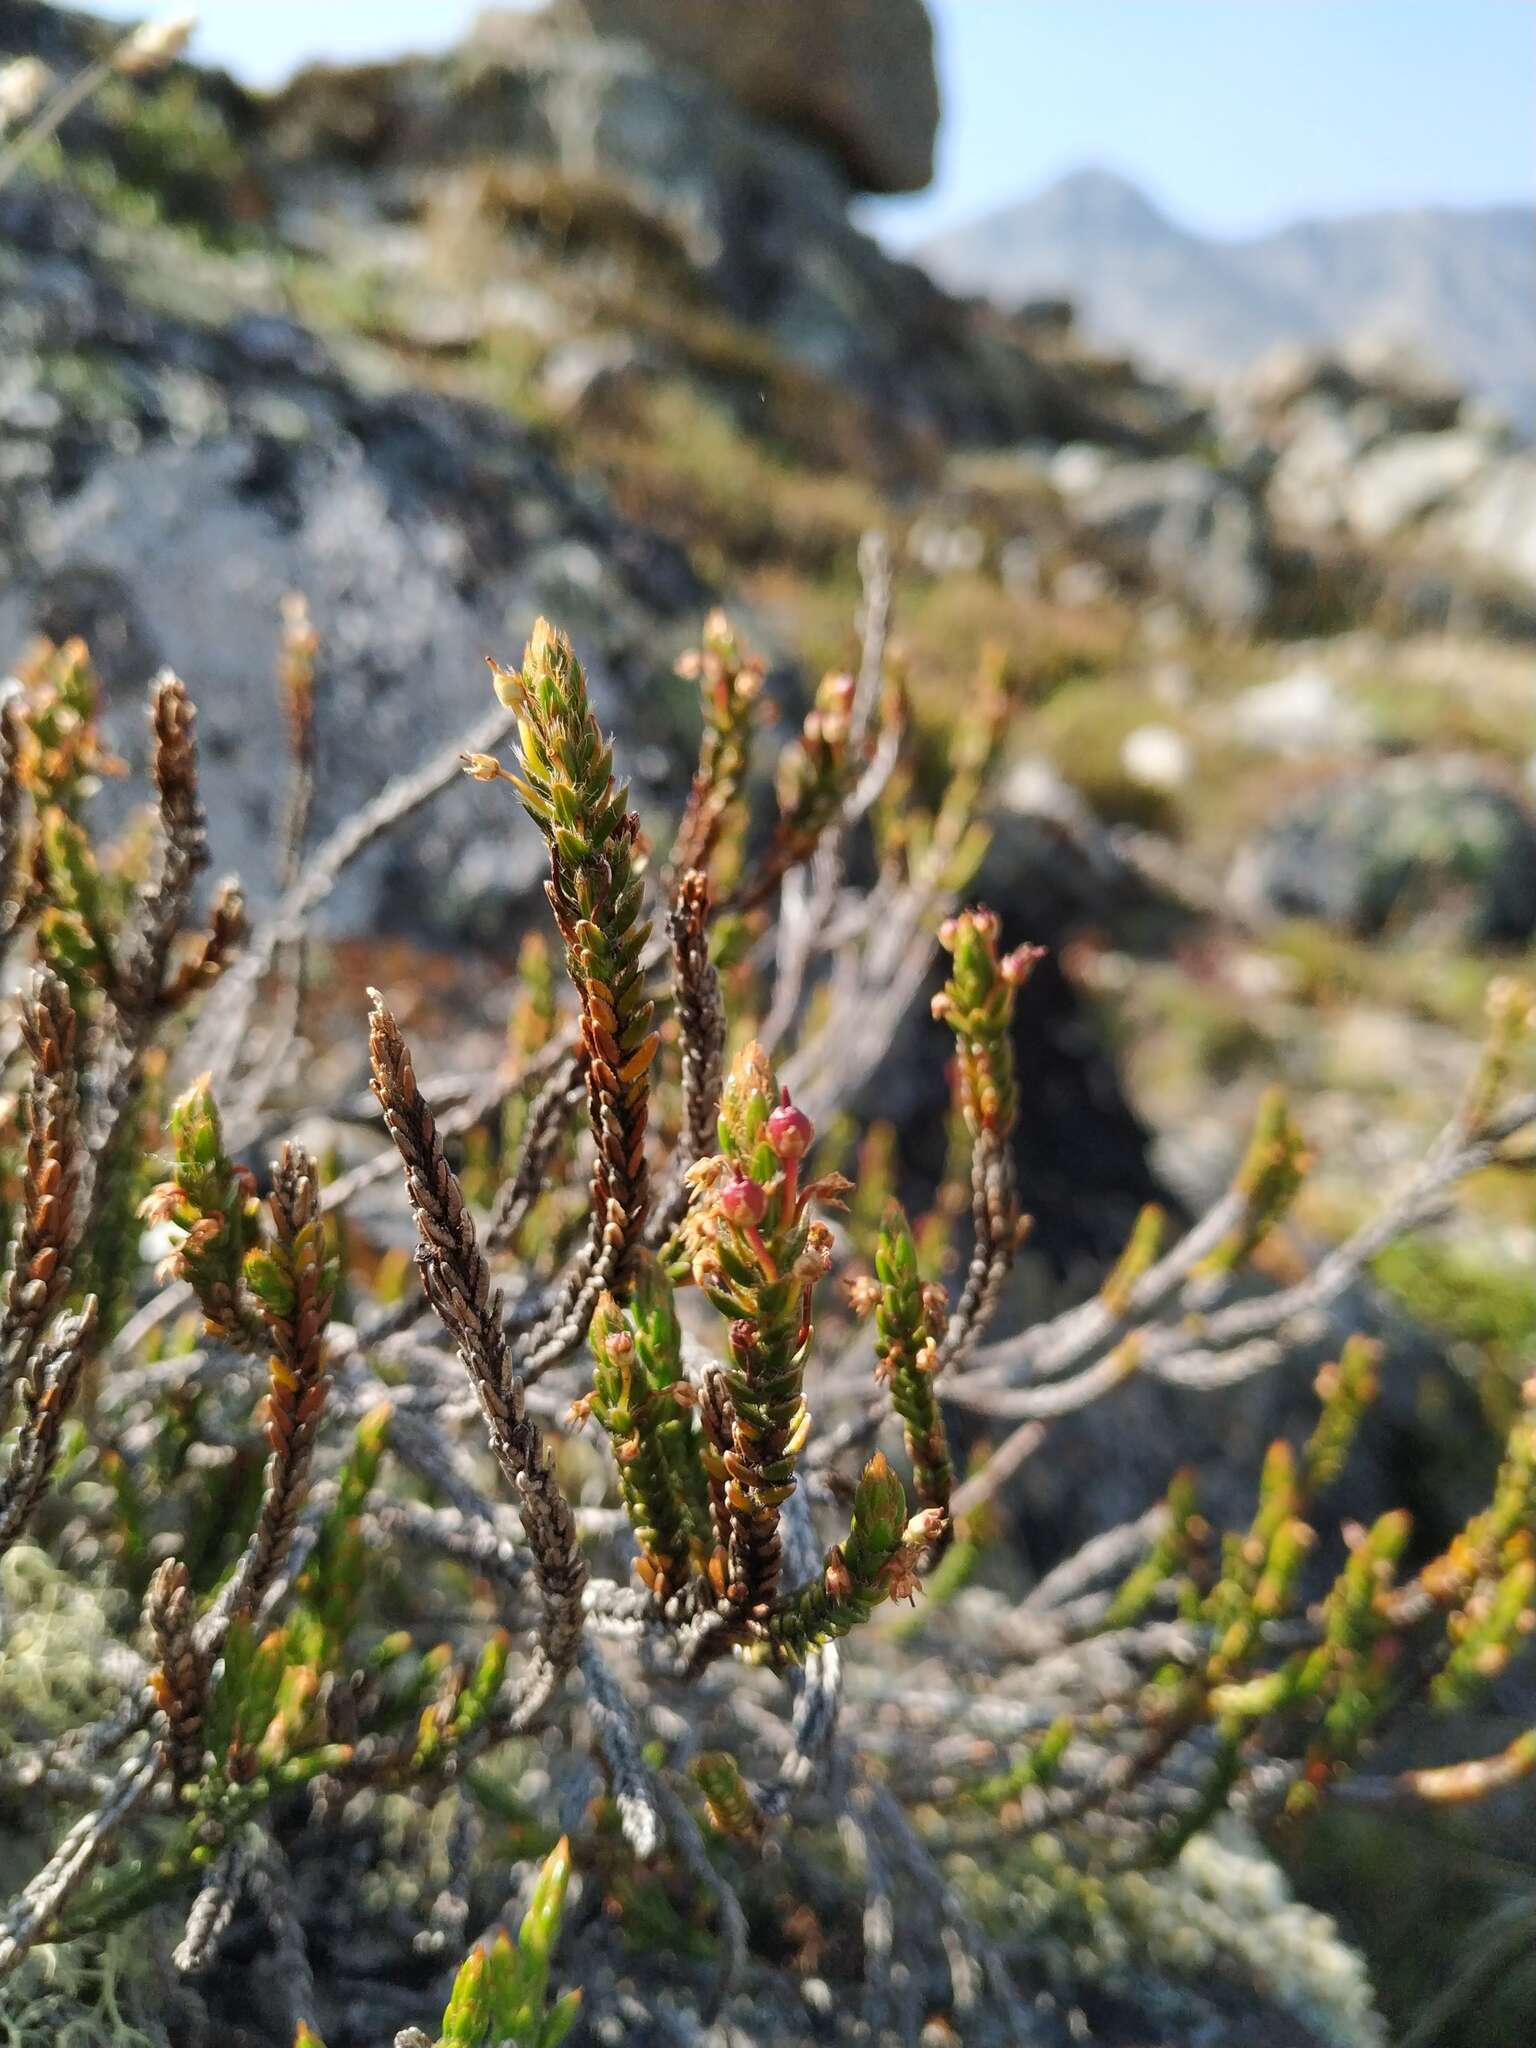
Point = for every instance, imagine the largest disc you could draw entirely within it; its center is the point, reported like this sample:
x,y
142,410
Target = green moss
x,y
1084,728
1051,653
1328,968
171,148
687,466
89,384
1411,715
505,366
583,218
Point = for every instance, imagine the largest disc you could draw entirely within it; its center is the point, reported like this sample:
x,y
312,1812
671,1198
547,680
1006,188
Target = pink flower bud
x,y
789,1130
1016,967
743,1202
837,692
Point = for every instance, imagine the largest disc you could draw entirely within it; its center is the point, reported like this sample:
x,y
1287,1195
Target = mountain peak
x,y
1104,198
1455,286
1091,208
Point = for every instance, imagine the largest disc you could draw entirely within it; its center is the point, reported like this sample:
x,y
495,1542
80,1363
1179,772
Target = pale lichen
x,y
56,1633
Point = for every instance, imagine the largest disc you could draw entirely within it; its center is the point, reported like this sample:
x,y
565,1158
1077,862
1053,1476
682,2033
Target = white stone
x,y
1157,757
1493,524
1400,480
943,549
1078,467
1309,483
1299,714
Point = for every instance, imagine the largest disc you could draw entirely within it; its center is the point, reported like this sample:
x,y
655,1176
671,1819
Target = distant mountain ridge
x,y
1456,286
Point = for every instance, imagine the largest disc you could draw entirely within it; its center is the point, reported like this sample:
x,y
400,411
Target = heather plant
x,y
500,1991
618,1527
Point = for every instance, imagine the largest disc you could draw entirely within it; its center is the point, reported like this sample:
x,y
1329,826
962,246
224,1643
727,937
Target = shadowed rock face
x,y
856,77
165,482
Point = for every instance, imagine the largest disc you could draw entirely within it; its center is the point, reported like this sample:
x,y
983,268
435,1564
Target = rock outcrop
x,y
166,481
580,160
1389,457
1419,839
855,77
1180,525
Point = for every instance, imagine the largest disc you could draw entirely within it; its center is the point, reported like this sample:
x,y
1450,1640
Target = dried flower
x,y
154,44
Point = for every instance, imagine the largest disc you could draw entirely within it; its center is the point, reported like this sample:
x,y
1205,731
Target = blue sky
x,y
1234,114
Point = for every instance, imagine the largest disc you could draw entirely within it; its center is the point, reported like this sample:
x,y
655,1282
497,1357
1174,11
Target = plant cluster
x,y
629,1507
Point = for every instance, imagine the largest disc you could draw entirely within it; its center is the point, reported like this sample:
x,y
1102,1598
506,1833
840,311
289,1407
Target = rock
x,y
1493,523
1157,757
1047,315
1378,452
1302,713
1110,1459
595,161
1291,373
1401,479
1368,442
180,478
855,77
1408,397
1079,467
1418,838
945,549
1308,483
1418,395
591,373
1181,524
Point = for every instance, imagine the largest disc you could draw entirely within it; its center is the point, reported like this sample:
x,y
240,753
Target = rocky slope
x,y
1455,286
